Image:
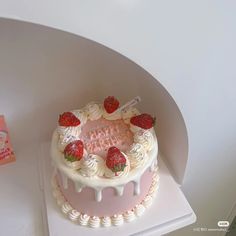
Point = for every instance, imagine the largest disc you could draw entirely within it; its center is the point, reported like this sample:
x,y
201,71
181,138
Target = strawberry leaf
x,y
70,158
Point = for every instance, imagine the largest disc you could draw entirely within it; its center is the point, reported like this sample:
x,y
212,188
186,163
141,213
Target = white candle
x,y
127,105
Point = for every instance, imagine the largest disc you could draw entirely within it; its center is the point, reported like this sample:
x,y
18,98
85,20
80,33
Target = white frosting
x,y
74,215
116,115
93,110
94,222
110,174
92,165
75,165
67,135
129,216
81,115
117,220
130,112
139,209
106,221
66,207
137,155
145,138
153,189
134,128
57,193
83,219
60,200
147,202
118,183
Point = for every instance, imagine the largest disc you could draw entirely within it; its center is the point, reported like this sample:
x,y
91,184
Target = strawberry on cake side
x,y
105,163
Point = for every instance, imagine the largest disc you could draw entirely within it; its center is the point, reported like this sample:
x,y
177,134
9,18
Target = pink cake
x,y
105,160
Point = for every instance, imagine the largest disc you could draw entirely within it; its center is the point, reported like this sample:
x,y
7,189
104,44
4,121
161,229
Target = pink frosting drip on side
x,y
101,134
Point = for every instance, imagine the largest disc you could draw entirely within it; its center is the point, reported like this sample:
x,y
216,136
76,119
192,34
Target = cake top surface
x,y
106,143
99,135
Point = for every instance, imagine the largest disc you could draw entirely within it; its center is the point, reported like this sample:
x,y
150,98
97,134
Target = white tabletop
x,y
21,196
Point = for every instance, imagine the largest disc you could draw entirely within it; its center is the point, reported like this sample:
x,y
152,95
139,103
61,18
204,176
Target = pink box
x,y
6,151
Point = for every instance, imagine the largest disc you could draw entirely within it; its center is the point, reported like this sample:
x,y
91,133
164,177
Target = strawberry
x,y
115,160
74,151
144,121
111,104
68,119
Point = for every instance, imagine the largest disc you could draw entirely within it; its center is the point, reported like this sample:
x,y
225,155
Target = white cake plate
x,y
170,209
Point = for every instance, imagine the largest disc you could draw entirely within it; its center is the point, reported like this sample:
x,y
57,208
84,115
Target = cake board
x,y
169,211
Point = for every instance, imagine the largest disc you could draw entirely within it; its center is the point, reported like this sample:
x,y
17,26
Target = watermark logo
x,y
223,223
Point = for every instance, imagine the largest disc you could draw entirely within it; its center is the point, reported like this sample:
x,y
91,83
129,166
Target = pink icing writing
x,y
101,134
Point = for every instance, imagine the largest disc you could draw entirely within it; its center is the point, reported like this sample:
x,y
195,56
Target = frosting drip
x,y
106,221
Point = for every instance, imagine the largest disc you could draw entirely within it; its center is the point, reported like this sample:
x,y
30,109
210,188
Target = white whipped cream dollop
x,y
129,216
110,174
93,110
147,202
92,165
134,128
139,209
106,221
145,138
153,188
117,220
66,208
116,115
58,196
129,113
81,115
74,215
83,219
94,222
67,135
60,200
137,155
75,165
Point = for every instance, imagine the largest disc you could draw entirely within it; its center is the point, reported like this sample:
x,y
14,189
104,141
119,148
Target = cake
x,y
105,163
